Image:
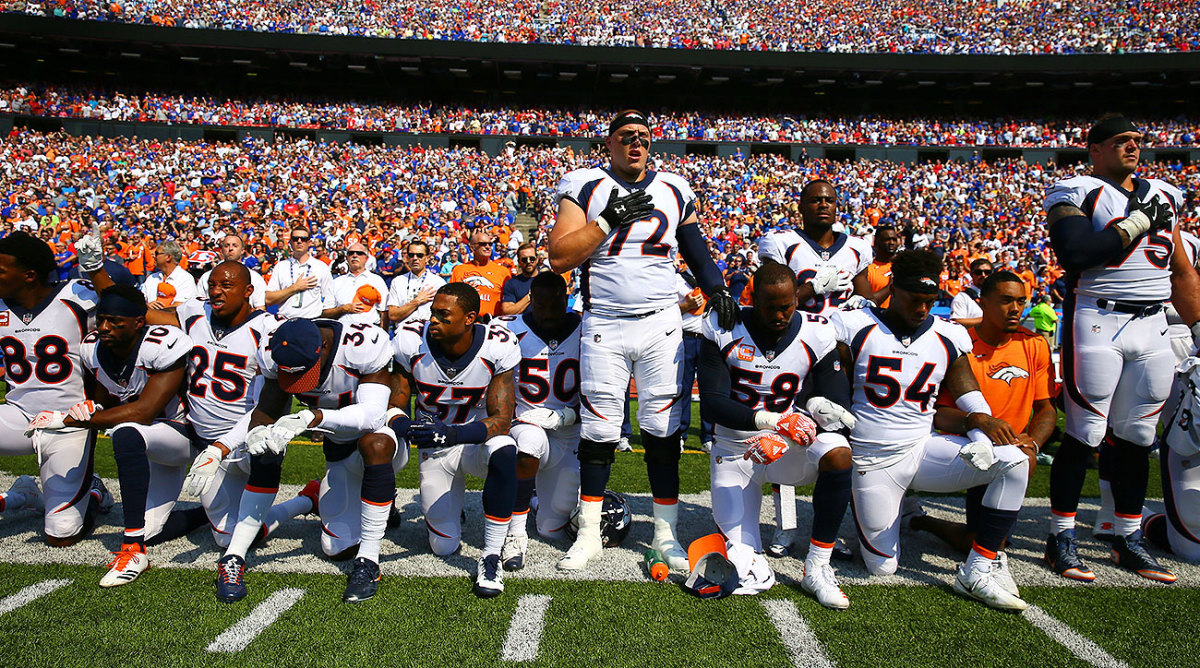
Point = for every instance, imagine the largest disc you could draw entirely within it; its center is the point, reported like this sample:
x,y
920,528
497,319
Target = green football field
x,y
53,614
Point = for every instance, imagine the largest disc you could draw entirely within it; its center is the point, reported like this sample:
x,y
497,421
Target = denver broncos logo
x,y
1008,373
478,281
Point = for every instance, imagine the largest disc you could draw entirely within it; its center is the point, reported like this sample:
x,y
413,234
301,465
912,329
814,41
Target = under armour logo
x,y
619,208
439,438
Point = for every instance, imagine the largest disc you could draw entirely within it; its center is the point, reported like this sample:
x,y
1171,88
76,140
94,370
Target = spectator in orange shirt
x,y
1026,277
879,272
1013,367
483,274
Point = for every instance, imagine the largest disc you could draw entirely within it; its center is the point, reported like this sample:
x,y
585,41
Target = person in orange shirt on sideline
x,y
1015,374
483,274
879,272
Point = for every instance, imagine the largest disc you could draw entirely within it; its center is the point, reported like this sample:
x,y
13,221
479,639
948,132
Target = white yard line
x,y
525,630
804,648
1068,637
30,594
238,636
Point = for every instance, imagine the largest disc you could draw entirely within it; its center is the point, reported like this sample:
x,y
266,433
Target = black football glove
x,y
725,305
1157,211
625,210
435,434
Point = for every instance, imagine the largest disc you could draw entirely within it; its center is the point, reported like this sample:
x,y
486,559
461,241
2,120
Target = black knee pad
x,y
504,459
591,452
662,450
128,440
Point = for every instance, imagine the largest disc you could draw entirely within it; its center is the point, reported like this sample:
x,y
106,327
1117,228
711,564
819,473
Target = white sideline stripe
x,y
30,594
238,636
1068,637
806,651
525,629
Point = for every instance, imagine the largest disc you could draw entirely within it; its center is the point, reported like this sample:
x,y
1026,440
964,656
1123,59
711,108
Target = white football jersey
x,y
632,271
454,390
548,376
358,350
805,256
223,374
41,348
769,376
896,380
161,348
1142,273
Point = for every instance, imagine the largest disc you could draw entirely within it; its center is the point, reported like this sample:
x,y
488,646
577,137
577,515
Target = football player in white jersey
x,y
342,373
222,388
898,358
42,326
546,427
138,371
462,375
750,379
1112,233
831,268
620,225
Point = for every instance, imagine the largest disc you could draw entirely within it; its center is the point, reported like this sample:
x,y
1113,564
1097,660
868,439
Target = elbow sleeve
x,y
699,260
363,417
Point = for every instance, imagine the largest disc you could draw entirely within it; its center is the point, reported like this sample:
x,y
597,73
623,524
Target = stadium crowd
x,y
427,118
883,26
142,192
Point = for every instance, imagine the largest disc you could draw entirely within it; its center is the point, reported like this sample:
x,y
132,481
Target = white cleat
x,y
1004,576
581,552
782,542
624,445
666,516
129,563
672,553
981,585
513,554
27,486
489,577
821,583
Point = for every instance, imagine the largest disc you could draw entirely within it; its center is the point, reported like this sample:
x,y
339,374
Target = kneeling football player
x,y
546,427
897,358
342,372
461,372
750,377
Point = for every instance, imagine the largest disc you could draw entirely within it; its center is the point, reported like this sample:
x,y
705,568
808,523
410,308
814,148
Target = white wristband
x,y
766,419
1135,225
604,226
973,402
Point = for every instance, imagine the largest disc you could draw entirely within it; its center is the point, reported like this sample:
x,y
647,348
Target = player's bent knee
x,y
662,450
377,449
550,525
594,452
837,459
877,565
527,466
343,555
443,546
220,538
127,438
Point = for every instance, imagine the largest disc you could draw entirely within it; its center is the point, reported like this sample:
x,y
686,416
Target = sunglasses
x,y
527,259
416,255
981,272
295,239
356,253
483,243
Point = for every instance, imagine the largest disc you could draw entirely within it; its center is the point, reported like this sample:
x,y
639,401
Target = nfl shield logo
x,y
1096,329
596,338
824,255
553,344
769,354
26,318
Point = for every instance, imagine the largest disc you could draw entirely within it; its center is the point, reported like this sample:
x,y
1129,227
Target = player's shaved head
x,y
773,273
815,185
236,269
774,296
465,295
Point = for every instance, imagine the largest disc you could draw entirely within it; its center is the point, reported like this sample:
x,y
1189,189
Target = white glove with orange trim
x,y
49,420
84,410
767,447
204,467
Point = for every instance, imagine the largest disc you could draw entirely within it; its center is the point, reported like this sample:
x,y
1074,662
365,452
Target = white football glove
x,y
548,419
831,279
830,416
49,420
855,303
84,410
90,253
259,441
290,426
204,467
978,453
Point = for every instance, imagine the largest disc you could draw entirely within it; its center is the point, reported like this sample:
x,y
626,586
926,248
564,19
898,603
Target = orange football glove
x,y
798,427
766,448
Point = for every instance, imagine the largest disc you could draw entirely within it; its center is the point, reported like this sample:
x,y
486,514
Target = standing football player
x,y
1112,233
898,358
139,371
341,372
831,268
750,378
42,326
621,225
546,427
461,372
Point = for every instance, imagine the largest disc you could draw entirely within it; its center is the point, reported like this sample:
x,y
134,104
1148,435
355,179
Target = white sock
x,y
374,522
253,507
282,512
517,525
13,500
817,554
666,515
977,561
1123,525
494,532
1060,523
1106,512
590,513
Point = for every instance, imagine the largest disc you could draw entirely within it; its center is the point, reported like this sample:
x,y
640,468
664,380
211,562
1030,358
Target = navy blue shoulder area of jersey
x,y
767,341
952,351
479,332
647,179
119,370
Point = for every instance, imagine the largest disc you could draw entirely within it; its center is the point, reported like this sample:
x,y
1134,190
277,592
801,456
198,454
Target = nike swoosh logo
x,y
172,345
207,462
1164,332
670,332
376,339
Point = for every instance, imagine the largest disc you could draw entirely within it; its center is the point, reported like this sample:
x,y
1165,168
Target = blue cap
x,y
296,349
